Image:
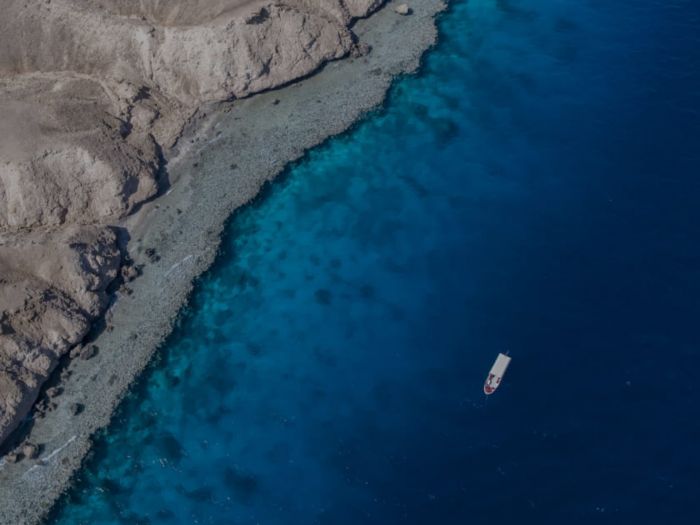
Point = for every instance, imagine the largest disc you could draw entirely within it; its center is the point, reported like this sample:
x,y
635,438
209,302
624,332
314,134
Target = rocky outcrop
x,y
52,286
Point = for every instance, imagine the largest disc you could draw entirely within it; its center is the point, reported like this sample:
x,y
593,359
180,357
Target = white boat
x,y
496,374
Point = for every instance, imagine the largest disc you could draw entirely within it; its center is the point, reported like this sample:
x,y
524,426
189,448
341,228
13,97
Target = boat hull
x,y
498,370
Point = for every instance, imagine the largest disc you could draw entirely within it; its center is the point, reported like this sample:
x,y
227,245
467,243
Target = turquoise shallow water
x,y
533,189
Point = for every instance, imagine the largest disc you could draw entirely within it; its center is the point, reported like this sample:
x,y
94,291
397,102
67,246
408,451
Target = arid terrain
x,y
91,95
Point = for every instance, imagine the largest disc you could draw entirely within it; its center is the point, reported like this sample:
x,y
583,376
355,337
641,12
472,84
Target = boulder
x,y
403,9
88,352
30,450
129,273
361,49
54,391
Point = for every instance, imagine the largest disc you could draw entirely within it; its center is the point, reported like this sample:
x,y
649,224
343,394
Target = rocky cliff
x,y
52,286
91,91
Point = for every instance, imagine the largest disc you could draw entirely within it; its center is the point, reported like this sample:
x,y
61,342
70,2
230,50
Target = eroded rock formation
x,y
52,286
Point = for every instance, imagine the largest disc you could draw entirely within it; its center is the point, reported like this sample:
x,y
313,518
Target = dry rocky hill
x,y
91,93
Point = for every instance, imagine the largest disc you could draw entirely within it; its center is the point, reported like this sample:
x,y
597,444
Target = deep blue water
x,y
534,189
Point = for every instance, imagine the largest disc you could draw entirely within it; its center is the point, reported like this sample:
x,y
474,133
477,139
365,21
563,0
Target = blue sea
x,y
534,189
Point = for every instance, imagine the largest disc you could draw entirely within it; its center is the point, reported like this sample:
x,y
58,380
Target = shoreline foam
x,y
239,147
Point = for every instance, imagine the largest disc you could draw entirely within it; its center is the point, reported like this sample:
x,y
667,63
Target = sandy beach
x,y
221,162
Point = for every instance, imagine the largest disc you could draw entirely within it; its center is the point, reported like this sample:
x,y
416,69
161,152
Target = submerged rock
x,y
152,255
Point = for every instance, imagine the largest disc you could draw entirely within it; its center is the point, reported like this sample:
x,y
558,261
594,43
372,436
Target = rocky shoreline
x,y
93,96
217,165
